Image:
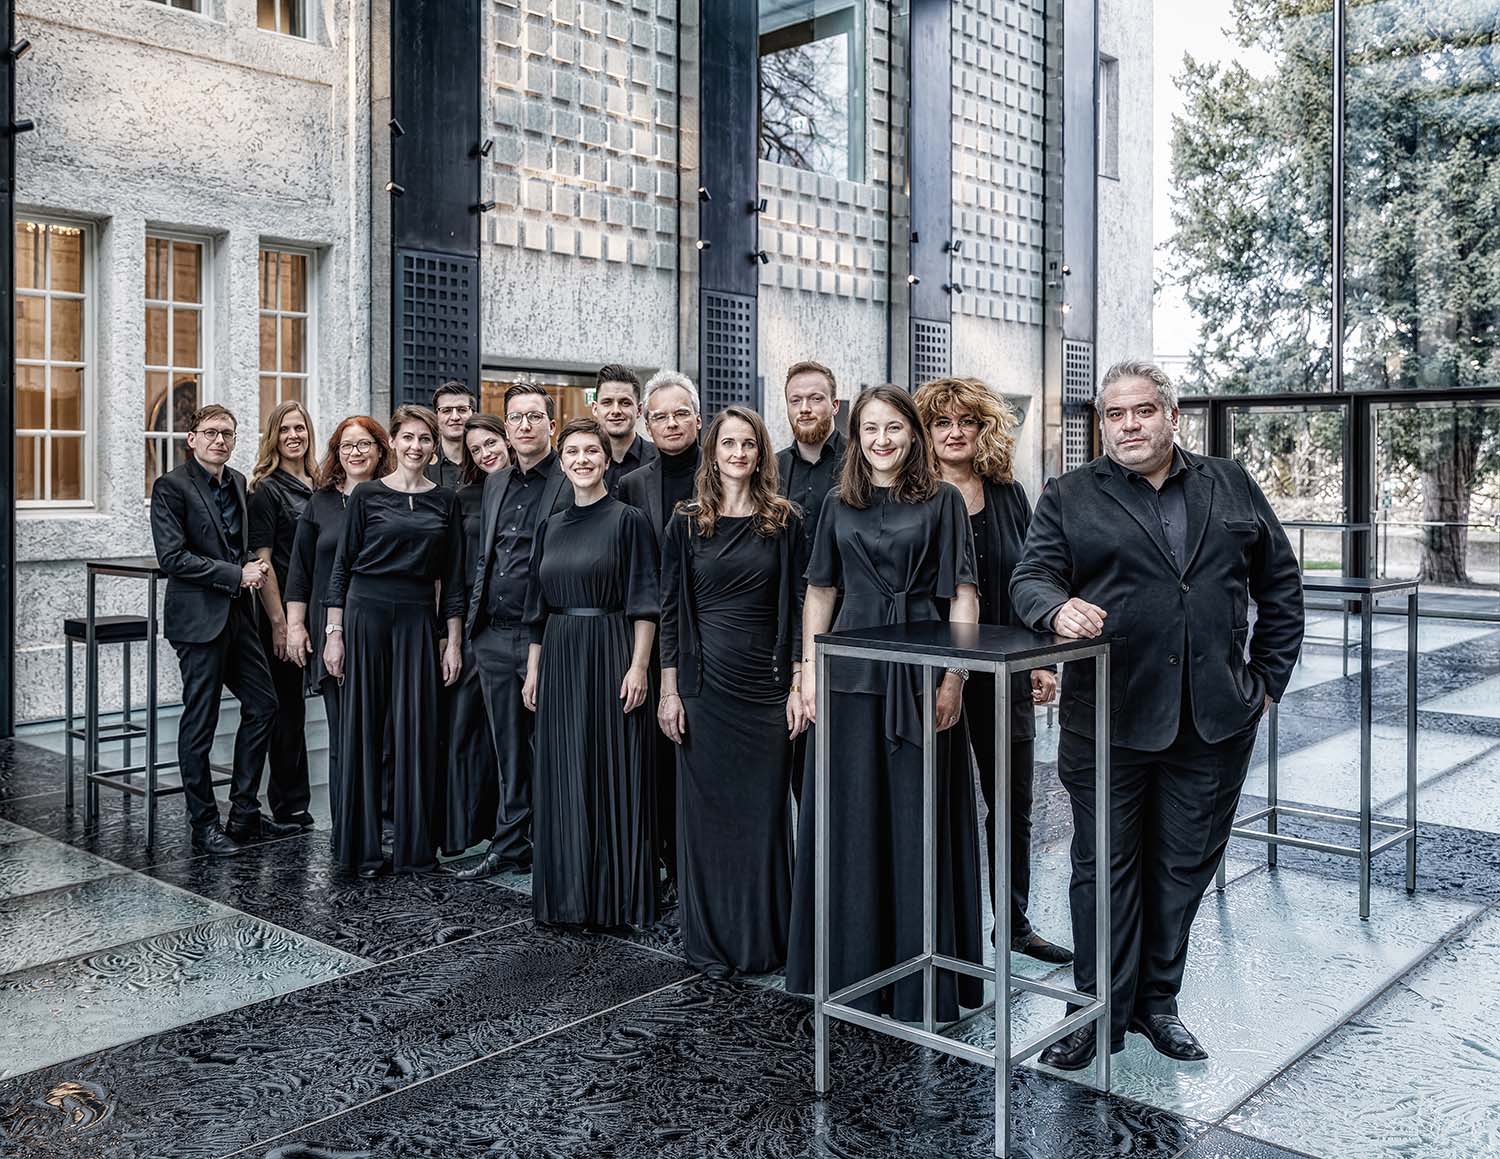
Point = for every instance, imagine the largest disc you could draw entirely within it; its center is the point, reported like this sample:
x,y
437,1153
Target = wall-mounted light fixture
x,y
704,194
19,49
395,190
953,288
483,148
396,129
758,206
760,256
484,207
913,280
702,244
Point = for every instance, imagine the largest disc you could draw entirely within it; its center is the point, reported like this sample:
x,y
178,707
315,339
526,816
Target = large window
x,y
288,17
285,327
176,353
53,364
812,86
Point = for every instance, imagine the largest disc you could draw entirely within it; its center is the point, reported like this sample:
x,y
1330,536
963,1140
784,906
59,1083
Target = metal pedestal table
x,y
1364,592
1002,651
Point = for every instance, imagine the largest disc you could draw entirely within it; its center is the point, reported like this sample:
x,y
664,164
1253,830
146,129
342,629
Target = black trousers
x,y
1170,816
500,651
979,708
329,689
237,661
287,790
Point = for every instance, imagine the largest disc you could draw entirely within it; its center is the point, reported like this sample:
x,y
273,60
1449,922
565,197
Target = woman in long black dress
x,y
729,624
401,556
971,427
473,780
892,541
592,606
280,486
359,450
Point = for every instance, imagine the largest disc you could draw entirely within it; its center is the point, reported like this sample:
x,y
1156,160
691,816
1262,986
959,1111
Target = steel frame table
x,y
1002,651
1346,532
93,774
1364,592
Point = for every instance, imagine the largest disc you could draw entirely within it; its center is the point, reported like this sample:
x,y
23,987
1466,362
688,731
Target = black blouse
x,y
600,557
401,538
317,542
275,506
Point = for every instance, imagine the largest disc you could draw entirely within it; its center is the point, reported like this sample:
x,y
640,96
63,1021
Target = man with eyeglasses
x,y
617,405
200,525
673,421
454,404
515,501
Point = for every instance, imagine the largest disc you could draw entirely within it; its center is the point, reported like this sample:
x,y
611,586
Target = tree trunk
x,y
1447,482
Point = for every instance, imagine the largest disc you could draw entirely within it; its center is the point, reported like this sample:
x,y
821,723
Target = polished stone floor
x,y
155,1004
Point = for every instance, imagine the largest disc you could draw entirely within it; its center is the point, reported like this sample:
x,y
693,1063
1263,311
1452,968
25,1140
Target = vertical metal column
x,y
820,873
1273,758
929,846
1411,742
7,371
1103,871
90,704
1001,853
151,706
1366,693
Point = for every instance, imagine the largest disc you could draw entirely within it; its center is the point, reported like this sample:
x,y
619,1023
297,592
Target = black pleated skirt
x,y
389,743
593,797
875,864
734,861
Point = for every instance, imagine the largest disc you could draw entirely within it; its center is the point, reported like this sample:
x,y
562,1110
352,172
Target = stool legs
x,y
68,720
125,674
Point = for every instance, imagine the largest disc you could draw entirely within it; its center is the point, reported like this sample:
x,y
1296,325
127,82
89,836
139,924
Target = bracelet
x,y
961,673
664,695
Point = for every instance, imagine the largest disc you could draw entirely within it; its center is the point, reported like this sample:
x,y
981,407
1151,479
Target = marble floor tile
x,y
1481,699
1318,665
1222,1144
725,1070
26,770
1327,773
1414,1076
10,832
91,916
254,1072
295,884
1467,798
117,995
1274,963
35,865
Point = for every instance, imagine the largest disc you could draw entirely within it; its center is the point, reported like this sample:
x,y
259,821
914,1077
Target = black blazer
x,y
203,568
642,490
1090,538
556,495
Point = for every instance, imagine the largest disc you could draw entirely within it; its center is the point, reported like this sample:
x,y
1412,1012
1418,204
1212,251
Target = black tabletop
x,y
1356,586
974,642
141,565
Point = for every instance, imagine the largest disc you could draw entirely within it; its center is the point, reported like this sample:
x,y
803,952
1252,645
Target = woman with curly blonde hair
x,y
973,442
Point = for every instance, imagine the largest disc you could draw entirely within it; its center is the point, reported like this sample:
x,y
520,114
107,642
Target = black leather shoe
x,y
303,821
1071,1052
259,828
1033,945
487,866
214,843
371,872
1169,1036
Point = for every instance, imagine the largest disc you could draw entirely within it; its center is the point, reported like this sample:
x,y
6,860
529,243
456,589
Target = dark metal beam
x,y
7,375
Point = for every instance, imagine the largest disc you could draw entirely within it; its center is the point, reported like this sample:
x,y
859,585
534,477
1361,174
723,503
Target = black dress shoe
x,y
259,828
1169,1036
1071,1052
487,866
303,821
1033,945
371,872
214,843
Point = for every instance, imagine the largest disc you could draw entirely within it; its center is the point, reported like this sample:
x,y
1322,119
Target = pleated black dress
x,y
891,562
593,573
729,617
471,788
396,548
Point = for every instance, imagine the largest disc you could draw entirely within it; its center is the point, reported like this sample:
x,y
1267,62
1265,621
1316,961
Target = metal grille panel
x,y
437,322
1078,371
931,354
1075,440
728,345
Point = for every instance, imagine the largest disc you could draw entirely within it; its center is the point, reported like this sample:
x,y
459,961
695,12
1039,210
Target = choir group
x,y
592,653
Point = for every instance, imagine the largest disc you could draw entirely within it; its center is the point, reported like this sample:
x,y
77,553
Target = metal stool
x,y
122,630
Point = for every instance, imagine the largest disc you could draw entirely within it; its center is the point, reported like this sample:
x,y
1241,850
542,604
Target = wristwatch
x,y
961,673
330,629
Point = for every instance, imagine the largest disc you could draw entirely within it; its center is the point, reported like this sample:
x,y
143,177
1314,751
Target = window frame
x,y
204,306
89,402
309,316
276,8
177,6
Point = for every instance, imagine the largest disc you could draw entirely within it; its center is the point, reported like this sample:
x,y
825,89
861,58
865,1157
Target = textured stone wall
x,y
151,118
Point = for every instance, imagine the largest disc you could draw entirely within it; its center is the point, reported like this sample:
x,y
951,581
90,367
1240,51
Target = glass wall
x,y
812,86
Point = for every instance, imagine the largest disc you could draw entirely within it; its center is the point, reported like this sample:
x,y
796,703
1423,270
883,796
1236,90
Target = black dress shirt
x,y
641,452
443,471
515,530
807,484
226,500
1166,504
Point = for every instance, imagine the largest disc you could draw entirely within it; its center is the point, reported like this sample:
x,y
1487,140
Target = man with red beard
x,y
809,470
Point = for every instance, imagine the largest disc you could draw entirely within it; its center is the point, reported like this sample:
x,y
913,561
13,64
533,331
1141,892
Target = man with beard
x,y
673,421
617,405
454,404
1162,550
809,470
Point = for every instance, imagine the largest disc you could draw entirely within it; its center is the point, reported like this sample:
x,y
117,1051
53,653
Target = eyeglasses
x,y
528,418
682,414
363,447
968,424
462,408
213,435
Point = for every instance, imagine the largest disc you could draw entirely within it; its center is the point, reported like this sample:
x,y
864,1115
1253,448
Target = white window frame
x,y
309,316
276,7
205,345
86,403
195,6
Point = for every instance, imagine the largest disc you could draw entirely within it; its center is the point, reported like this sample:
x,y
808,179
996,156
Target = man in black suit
x,y
673,419
617,406
200,525
514,502
453,403
1164,551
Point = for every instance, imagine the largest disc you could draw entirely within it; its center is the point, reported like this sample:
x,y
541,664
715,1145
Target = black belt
x,y
586,611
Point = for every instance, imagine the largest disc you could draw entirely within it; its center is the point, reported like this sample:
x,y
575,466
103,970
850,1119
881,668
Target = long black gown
x,y
891,562
396,547
471,789
729,619
593,573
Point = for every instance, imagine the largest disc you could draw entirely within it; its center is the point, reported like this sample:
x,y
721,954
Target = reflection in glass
x,y
31,397
31,327
28,469
31,273
284,354
1192,430
67,329
1296,455
187,272
65,249
185,348
812,87
67,398
67,468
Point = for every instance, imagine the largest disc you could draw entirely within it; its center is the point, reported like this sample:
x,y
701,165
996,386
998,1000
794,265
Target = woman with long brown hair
x,y
892,542
285,473
358,450
973,440
731,560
